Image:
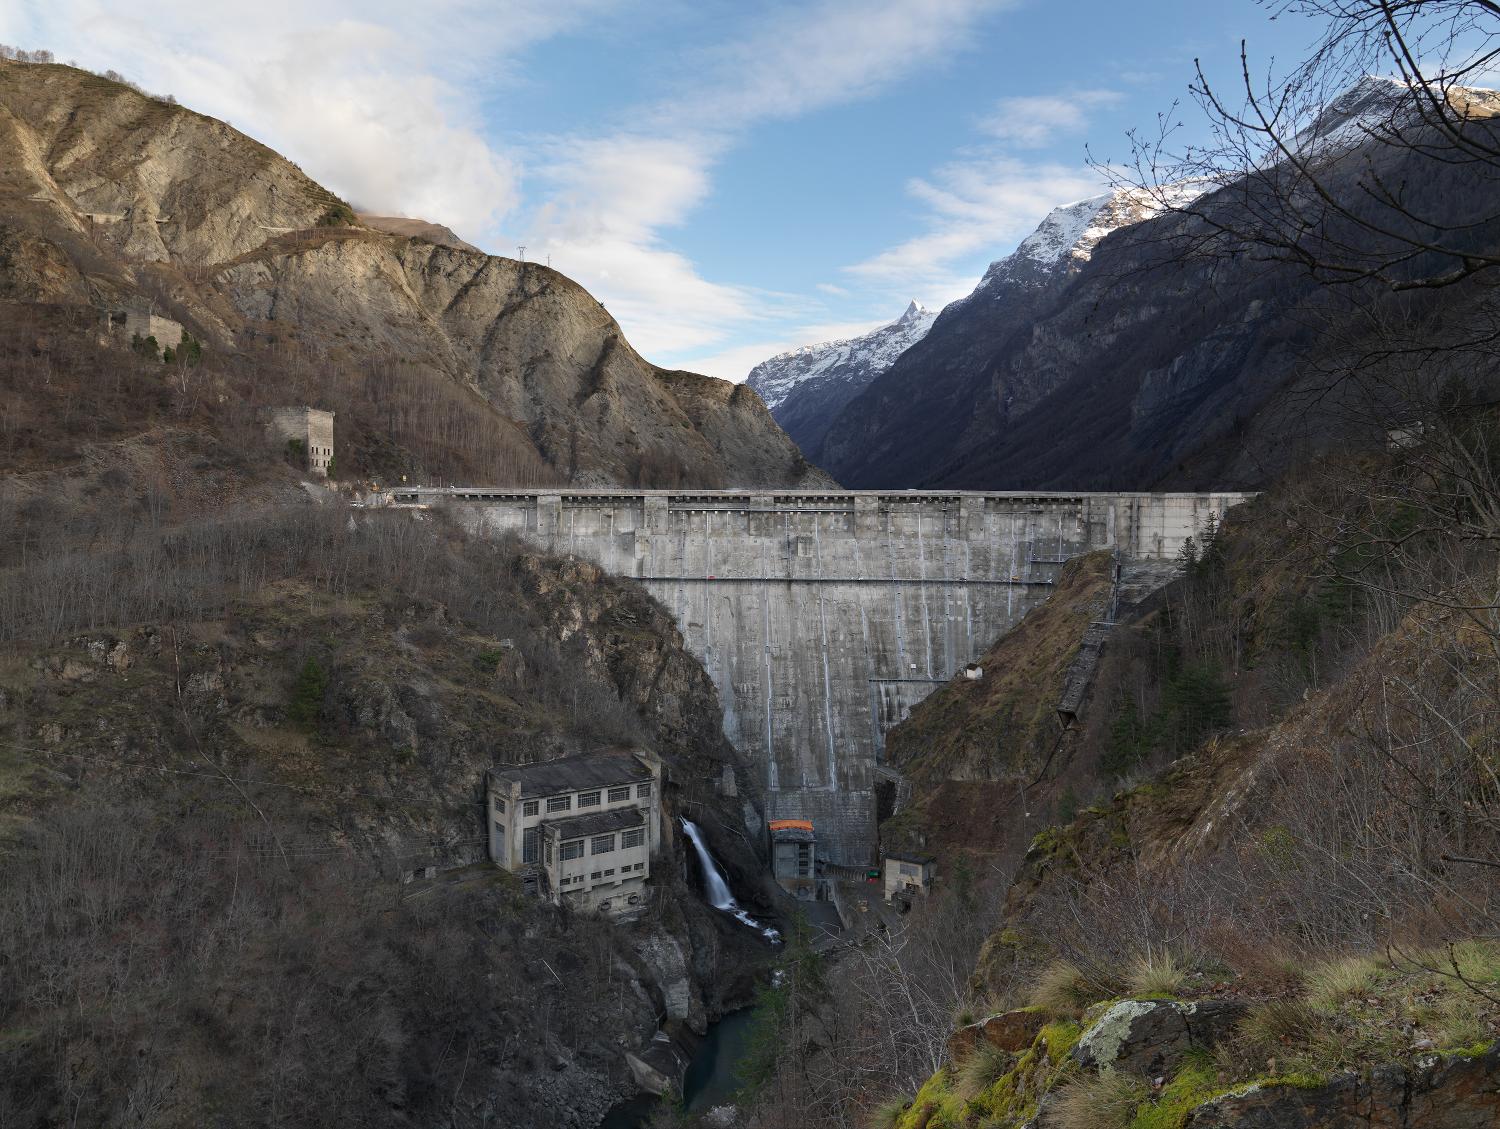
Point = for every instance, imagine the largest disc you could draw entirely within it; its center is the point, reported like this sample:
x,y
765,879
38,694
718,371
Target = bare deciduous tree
x,y
1326,168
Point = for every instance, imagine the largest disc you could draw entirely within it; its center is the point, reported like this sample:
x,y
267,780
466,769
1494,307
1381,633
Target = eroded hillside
x,y
115,195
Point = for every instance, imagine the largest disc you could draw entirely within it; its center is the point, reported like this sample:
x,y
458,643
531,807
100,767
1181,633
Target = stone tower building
x,y
309,427
136,317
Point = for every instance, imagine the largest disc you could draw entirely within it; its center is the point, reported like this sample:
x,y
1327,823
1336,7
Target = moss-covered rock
x,y
1439,1092
1153,1036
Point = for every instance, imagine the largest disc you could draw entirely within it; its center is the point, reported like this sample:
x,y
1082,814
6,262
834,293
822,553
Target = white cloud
x,y
608,199
1035,120
612,197
734,364
624,186
377,100
804,57
837,330
988,197
665,306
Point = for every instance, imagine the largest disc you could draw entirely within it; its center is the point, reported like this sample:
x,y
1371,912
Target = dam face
x,y
824,617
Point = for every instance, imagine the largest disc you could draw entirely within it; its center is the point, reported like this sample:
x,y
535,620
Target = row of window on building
x,y
592,799
532,843
603,844
596,814
600,875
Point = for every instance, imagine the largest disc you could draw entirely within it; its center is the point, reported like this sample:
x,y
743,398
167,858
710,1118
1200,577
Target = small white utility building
x,y
907,873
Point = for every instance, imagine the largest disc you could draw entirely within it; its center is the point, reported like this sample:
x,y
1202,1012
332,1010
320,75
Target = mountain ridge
x,y
1145,362
805,386
877,438
116,196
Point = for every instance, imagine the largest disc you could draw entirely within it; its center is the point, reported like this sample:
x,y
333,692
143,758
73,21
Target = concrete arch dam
x,y
824,617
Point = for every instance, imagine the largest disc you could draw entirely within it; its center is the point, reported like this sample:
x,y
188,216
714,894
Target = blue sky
x,y
730,179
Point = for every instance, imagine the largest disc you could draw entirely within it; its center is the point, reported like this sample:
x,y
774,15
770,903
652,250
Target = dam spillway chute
x,y
716,889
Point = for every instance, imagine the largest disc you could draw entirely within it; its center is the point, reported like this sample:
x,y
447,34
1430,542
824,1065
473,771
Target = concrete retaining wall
x,y
823,618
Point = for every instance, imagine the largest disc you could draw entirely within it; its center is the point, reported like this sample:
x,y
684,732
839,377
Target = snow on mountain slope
x,y
1068,232
807,387
1384,110
1062,242
854,362
1067,237
1088,323
939,398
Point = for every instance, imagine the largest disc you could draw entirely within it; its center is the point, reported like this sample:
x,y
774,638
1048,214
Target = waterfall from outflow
x,y
717,889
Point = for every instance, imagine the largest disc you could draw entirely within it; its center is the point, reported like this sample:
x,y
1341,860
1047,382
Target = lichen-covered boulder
x,y
1151,1036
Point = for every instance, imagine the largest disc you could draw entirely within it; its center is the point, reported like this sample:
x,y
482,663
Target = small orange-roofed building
x,y
794,862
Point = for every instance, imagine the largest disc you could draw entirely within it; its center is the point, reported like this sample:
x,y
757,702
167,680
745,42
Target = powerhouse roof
x,y
575,774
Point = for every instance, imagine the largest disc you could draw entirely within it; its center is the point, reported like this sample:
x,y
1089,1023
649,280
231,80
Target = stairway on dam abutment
x,y
823,617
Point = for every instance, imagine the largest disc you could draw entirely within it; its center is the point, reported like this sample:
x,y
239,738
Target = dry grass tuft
x,y
1277,1024
1461,1021
1325,986
1273,1030
1062,989
1105,1101
1156,974
887,1115
980,1071
1475,961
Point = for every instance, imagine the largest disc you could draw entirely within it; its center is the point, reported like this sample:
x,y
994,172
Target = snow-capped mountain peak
x,y
805,388
1382,108
1371,106
1067,231
1067,237
850,364
1072,231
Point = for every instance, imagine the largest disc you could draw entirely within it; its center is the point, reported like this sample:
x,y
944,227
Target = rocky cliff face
x,y
112,194
1183,928
968,749
807,387
534,344
417,229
